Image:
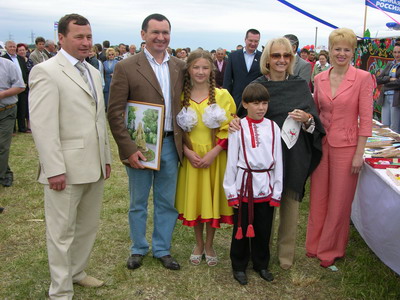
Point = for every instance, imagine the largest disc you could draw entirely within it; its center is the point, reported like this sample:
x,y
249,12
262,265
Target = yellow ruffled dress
x,y
200,196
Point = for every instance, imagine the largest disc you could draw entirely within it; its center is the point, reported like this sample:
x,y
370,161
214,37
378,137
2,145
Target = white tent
x,y
380,34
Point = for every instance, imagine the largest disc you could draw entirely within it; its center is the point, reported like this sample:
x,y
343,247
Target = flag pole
x,y
316,38
365,20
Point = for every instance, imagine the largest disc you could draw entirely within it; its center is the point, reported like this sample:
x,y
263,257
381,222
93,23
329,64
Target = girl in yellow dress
x,y
205,117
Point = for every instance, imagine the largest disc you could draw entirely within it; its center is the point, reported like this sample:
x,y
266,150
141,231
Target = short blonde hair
x,y
266,55
109,50
342,35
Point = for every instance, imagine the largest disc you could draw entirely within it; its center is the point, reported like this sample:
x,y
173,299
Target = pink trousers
x,y
332,192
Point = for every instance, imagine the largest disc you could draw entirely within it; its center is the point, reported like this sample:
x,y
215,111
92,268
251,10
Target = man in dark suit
x,y
22,104
302,68
220,66
102,55
243,66
154,77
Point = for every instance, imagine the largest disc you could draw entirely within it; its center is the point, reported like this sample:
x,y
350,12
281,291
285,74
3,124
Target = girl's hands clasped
x,y
201,162
192,156
208,159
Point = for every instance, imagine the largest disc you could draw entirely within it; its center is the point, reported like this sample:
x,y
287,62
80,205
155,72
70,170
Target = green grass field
x,y
24,270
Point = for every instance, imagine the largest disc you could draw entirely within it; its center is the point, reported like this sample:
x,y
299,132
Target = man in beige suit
x,y
39,55
69,128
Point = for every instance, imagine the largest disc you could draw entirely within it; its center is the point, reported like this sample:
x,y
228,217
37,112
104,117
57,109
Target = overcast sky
x,y
205,23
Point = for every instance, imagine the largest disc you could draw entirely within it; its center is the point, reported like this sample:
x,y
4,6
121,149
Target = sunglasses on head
x,y
279,55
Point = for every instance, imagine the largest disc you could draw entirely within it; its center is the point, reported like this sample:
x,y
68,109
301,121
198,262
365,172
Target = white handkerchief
x,y
290,131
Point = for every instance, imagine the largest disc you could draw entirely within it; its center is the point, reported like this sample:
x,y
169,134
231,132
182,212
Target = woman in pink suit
x,y
343,96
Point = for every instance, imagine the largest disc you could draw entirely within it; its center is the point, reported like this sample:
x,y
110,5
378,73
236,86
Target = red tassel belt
x,y
246,190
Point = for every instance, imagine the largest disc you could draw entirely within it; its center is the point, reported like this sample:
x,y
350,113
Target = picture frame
x,y
145,124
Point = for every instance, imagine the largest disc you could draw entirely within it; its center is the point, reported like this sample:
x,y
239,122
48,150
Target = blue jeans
x,y
391,114
165,214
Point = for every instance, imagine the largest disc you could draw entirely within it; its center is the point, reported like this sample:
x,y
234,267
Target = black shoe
x,y
1,210
264,274
240,277
6,181
134,261
169,262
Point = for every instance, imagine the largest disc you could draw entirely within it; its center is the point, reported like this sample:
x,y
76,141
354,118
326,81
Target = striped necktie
x,y
82,70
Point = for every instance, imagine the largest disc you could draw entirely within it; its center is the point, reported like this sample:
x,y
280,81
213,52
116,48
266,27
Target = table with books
x,y
376,206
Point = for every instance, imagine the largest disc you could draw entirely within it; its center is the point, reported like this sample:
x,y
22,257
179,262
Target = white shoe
x,y
90,281
211,260
195,259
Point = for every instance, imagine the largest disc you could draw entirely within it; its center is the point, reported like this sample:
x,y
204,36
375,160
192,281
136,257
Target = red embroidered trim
x,y
233,202
259,199
256,135
215,223
253,143
254,121
274,202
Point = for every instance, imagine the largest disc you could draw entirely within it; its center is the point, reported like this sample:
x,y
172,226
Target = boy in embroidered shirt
x,y
253,184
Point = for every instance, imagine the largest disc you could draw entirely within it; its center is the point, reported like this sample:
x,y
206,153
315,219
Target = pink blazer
x,y
349,114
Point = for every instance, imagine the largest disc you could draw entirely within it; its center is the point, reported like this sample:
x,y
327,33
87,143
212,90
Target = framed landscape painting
x,y
145,122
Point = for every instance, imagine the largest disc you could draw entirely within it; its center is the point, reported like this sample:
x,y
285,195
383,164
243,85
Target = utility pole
x,y
32,37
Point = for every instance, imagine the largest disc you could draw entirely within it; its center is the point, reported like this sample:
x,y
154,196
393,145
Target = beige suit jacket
x,y
68,127
38,57
134,79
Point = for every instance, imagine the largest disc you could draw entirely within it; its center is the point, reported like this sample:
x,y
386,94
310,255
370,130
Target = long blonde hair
x,y
187,86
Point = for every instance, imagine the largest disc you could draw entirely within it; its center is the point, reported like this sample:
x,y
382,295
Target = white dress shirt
x,y
162,73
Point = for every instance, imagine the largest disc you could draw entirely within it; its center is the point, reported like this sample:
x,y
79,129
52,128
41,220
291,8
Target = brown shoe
x,y
169,262
90,281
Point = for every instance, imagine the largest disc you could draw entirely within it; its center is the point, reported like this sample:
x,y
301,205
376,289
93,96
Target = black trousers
x,y
22,111
257,247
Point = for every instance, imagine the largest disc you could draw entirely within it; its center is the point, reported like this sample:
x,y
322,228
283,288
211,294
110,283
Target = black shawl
x,y
304,156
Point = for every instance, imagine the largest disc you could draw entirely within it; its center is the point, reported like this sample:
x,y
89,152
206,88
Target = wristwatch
x,y
309,120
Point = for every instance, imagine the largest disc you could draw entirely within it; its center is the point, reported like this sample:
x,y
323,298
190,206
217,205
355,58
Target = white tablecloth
x,y
376,215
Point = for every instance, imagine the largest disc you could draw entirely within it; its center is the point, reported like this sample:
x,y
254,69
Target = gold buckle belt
x,y
7,107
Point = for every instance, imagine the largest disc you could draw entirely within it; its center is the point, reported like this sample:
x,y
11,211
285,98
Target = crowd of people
x,y
242,133
104,58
